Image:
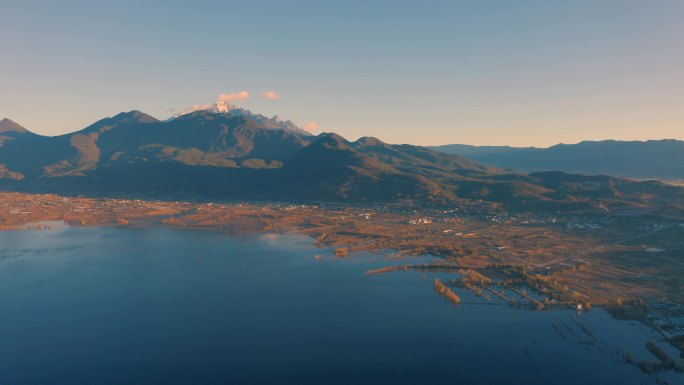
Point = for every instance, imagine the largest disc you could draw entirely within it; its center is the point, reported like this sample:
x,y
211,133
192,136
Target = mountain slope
x,y
200,138
331,168
8,126
209,155
653,159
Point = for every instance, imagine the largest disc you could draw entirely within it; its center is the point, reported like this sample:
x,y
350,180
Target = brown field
x,y
600,258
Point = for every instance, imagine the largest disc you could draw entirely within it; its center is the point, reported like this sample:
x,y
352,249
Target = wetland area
x,y
169,306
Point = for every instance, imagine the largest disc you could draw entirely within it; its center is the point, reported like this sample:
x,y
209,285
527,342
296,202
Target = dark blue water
x,y
157,306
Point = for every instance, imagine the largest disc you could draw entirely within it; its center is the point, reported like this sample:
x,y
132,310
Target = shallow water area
x,y
163,306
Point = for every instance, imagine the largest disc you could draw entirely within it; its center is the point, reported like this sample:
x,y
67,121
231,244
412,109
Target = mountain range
x,y
208,154
652,159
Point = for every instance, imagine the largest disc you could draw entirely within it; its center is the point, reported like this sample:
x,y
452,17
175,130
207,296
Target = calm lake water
x,y
159,306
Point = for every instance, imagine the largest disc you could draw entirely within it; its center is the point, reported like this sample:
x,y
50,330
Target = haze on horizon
x,y
524,73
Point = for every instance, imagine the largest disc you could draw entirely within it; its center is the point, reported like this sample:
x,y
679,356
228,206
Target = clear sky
x,y
523,72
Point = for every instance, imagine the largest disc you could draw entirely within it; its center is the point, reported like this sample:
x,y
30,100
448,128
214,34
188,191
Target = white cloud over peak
x,y
196,107
270,95
242,95
311,126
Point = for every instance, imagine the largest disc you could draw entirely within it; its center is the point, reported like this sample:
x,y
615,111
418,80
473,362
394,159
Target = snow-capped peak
x,y
220,107
223,107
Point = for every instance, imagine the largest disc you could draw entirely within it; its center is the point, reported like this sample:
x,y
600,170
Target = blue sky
x,y
430,72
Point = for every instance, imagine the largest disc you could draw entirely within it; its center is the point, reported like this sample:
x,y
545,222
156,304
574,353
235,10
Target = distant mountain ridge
x,y
653,159
219,155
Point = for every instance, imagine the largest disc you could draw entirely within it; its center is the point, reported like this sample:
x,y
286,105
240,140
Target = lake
x,y
161,306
